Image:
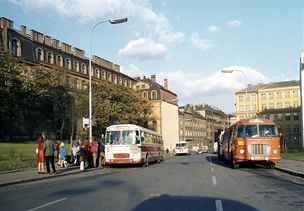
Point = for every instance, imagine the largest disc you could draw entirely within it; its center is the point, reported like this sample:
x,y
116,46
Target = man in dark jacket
x,y
49,151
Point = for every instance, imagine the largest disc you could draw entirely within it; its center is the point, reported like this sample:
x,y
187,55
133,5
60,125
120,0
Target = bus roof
x,y
255,121
131,127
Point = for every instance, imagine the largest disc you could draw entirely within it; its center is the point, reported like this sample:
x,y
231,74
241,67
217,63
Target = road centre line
x,y
219,205
214,180
47,204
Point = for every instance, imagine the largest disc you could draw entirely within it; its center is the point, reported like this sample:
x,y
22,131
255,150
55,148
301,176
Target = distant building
x,y
288,121
164,108
231,119
192,128
257,98
216,120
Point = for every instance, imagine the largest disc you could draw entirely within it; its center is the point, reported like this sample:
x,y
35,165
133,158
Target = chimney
x,y
166,83
153,78
23,29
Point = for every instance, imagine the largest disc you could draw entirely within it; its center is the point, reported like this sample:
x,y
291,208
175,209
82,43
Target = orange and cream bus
x,y
132,144
253,140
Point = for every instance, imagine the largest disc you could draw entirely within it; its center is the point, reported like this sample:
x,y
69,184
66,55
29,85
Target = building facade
x,y
288,121
215,118
192,128
39,51
164,108
257,98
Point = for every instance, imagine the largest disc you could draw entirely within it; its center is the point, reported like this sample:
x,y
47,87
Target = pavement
x,y
30,175
293,167
197,182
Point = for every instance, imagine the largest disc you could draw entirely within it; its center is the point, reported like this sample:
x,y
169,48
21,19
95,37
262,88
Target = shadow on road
x,y
246,165
74,191
189,203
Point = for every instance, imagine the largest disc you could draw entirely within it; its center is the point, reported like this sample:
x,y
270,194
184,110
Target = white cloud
x,y
215,88
213,28
234,23
144,49
140,12
200,43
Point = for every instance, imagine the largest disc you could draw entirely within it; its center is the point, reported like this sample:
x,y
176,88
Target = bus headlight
x,y
242,151
241,143
275,151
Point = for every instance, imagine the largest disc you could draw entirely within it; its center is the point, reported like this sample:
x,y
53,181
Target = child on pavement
x,y
62,154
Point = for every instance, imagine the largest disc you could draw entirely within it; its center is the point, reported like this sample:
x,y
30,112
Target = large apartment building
x,y
257,98
39,51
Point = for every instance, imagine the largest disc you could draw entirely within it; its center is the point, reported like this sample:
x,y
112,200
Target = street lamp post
x,y
244,75
111,21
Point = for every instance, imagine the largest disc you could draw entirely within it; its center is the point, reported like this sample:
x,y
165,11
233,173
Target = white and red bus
x,y
182,148
132,144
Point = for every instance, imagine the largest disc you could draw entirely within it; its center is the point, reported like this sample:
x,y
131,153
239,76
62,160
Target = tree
x,y
114,104
14,94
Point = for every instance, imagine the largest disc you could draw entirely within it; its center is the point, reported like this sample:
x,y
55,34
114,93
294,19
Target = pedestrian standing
x,y
62,154
75,151
82,156
94,152
49,152
88,155
101,149
40,154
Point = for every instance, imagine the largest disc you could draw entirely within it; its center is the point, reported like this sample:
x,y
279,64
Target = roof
x,y
148,80
254,88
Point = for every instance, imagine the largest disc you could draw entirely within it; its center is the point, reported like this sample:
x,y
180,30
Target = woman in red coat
x,y
40,154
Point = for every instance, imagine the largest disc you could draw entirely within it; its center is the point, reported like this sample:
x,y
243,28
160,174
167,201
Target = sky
x,y
188,42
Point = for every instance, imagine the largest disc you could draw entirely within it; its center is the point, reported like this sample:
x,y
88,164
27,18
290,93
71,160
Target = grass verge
x,y
294,154
19,155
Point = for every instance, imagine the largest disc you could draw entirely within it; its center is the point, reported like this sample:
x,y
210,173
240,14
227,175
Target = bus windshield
x,y
256,131
121,137
181,145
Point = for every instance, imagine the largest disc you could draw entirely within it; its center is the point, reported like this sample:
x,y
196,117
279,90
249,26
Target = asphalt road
x,y
197,182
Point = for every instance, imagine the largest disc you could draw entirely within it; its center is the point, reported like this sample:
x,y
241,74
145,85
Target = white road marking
x,y
219,205
214,180
47,204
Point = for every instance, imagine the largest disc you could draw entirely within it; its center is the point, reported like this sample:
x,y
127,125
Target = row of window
x,y
49,57
191,133
287,116
153,95
269,95
280,105
280,94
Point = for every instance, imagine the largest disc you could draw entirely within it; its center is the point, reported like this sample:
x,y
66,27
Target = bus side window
x,y
137,137
142,138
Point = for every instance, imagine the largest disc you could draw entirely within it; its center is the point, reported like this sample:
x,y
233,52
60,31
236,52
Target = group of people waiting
x,y
84,154
88,155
